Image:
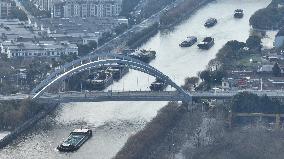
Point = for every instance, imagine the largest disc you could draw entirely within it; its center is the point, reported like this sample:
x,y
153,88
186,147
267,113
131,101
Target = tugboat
x,y
158,85
207,43
239,13
210,22
75,140
101,80
144,55
189,41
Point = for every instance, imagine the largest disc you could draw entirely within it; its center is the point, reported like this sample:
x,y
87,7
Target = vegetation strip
x,y
22,117
142,143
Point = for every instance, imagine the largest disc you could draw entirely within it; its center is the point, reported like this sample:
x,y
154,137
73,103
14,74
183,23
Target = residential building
x,y
87,8
44,4
5,8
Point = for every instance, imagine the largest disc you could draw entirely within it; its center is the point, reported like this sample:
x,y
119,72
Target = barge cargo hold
x,y
207,43
210,22
75,140
158,85
239,13
189,41
144,55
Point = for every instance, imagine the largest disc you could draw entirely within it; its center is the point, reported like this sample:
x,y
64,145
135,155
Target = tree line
x,y
270,17
246,102
13,113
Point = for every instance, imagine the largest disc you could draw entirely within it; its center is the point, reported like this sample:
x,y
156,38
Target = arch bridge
x,y
112,60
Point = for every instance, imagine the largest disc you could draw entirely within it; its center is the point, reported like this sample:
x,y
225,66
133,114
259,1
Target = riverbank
x,y
143,145
23,126
181,12
269,18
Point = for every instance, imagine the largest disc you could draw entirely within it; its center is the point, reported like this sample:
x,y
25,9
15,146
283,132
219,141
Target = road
x,y
99,96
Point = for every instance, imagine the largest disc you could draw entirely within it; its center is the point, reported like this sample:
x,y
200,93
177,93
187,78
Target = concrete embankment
x,y
141,37
180,12
26,125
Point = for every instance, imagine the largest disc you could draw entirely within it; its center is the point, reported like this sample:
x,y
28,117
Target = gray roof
x,y
280,32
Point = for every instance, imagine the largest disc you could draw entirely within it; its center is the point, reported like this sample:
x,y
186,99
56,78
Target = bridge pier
x,y
188,105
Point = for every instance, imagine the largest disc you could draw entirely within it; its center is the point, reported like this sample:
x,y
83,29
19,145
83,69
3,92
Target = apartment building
x,y
87,8
5,8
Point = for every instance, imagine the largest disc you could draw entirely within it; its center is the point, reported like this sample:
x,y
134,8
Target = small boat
x,y
189,41
210,22
239,13
158,85
75,140
206,43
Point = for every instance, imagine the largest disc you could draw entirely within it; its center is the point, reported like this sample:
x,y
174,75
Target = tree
x,y
128,6
245,102
253,42
276,70
205,75
86,49
106,36
16,12
190,82
120,28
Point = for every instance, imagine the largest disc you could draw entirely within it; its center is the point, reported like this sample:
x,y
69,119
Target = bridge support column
x,y
189,105
230,119
277,121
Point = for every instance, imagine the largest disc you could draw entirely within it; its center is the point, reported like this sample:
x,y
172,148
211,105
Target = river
x,y
114,122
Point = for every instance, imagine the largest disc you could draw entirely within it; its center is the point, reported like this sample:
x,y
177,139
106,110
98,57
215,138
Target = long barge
x,y
75,140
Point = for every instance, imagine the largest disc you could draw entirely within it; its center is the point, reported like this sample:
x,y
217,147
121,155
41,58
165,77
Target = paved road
x,y
137,96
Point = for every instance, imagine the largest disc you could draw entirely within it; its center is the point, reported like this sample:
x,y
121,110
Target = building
x,y
19,39
279,39
87,8
265,69
45,5
42,49
5,8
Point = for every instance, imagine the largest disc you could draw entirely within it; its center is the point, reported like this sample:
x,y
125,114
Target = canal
x,y
114,122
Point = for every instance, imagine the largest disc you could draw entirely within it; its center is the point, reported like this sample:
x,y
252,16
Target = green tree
x,y
190,82
128,6
120,28
205,75
245,102
17,13
86,49
276,70
253,42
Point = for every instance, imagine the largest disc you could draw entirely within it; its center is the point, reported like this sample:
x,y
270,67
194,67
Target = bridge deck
x,y
136,96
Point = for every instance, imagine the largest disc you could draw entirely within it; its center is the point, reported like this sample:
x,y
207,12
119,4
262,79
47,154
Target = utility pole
x,y
261,84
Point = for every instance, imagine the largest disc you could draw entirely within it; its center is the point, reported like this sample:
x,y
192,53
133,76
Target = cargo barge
x,y
75,140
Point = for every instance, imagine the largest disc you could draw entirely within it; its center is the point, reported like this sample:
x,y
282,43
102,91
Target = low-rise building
x,y
42,49
5,8
265,69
